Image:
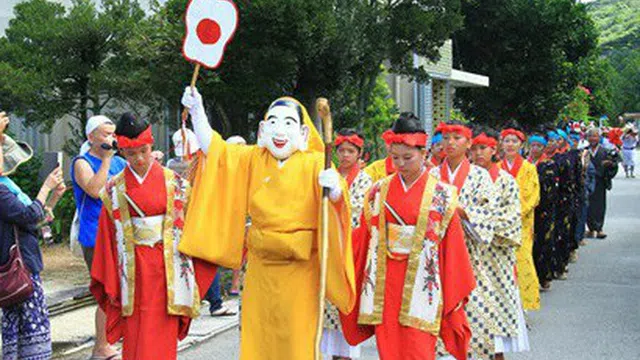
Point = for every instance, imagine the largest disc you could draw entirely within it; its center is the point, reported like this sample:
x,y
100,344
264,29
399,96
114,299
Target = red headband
x,y
440,128
460,129
518,134
483,139
145,138
353,139
410,139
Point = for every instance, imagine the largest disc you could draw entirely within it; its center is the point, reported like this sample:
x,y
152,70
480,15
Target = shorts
x,y
87,253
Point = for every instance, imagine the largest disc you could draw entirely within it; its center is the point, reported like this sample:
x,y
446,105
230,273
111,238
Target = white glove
x,y
193,101
331,179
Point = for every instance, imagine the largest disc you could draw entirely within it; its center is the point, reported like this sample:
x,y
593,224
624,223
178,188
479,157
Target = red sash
x,y
494,171
517,164
353,173
461,176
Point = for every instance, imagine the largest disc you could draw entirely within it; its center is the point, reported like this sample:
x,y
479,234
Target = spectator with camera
x,y
26,332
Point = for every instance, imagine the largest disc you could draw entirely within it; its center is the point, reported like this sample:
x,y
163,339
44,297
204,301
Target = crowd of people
x,y
437,251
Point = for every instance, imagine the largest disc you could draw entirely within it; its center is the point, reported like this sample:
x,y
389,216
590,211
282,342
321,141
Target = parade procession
x,y
380,206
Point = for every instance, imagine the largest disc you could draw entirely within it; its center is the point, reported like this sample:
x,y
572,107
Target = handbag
x,y
16,285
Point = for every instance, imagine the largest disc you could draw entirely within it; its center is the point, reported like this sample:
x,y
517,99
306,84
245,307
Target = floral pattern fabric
x,y
26,332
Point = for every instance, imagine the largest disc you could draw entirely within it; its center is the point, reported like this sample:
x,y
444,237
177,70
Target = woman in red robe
x,y
412,267
149,294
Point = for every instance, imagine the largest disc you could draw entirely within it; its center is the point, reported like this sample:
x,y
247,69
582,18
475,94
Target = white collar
x,y
510,164
454,173
139,178
404,185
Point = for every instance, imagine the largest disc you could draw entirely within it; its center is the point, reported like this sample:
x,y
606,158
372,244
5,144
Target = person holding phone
x,y
26,332
89,174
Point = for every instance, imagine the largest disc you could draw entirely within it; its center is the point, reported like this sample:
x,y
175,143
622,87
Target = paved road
x,y
594,315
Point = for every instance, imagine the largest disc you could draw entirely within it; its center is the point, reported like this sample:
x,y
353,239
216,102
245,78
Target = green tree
x,y
55,62
530,49
331,48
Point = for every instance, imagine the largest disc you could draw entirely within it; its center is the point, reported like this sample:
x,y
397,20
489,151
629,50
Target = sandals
x,y
223,311
110,357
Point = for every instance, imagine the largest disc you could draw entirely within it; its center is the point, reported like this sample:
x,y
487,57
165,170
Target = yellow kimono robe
x,y
378,170
528,283
280,301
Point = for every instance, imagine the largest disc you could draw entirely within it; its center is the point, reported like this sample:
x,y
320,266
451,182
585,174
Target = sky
x,y
6,10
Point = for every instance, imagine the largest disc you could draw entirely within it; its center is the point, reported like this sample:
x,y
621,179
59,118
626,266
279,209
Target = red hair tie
x,y
410,139
518,134
483,139
459,129
145,138
353,139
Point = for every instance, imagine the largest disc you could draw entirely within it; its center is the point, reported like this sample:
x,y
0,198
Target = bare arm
x,y
91,182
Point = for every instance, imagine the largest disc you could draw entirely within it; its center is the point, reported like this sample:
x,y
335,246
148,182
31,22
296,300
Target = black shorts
x,y
87,252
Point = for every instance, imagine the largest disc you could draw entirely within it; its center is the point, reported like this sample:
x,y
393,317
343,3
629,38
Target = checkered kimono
x,y
477,197
500,257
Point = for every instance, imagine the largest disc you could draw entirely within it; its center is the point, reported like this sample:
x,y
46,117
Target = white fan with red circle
x,y
210,25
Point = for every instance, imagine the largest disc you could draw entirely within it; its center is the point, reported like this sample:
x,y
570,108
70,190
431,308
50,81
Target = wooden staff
x,y
186,154
322,107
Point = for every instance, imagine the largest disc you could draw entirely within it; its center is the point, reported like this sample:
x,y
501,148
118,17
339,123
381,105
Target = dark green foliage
x,y
530,50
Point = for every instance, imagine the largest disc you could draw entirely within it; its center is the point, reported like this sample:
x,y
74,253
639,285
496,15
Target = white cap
x,y
236,140
194,146
94,122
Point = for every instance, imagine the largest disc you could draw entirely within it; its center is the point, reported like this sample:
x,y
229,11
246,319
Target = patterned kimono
x,y
412,270
526,175
358,189
148,290
544,246
477,198
501,259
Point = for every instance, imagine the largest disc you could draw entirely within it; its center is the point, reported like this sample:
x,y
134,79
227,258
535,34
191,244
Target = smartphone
x,y
50,161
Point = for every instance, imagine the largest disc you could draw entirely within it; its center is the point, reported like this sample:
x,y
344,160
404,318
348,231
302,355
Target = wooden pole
x,y
186,154
194,78
322,107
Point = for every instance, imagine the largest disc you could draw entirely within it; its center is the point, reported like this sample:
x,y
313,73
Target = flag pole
x,y
185,115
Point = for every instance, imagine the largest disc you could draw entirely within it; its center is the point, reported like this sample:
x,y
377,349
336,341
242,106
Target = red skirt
x,y
150,332
395,341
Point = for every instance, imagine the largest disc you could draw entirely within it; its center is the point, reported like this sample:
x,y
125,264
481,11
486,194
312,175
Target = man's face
x,y
139,158
104,134
594,139
282,133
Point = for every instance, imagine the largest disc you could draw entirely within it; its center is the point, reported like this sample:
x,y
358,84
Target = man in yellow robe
x,y
279,185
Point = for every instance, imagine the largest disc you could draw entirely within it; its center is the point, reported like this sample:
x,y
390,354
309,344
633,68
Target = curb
x,y
186,344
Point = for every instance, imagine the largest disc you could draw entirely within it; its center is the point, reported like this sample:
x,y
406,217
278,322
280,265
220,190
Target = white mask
x,y
282,132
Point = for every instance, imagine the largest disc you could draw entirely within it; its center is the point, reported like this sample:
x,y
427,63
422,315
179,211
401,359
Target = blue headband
x,y
552,135
436,138
563,134
537,139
